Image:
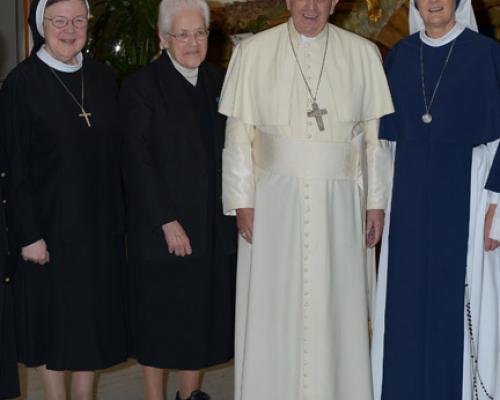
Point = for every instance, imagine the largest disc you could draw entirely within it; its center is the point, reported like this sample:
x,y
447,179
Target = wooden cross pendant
x,y
86,115
317,113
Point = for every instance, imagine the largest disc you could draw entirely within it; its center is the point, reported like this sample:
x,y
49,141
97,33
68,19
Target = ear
x,y
334,4
163,41
289,4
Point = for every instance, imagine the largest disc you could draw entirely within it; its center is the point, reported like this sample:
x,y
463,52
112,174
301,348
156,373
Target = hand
x,y
176,238
489,244
36,252
374,226
244,220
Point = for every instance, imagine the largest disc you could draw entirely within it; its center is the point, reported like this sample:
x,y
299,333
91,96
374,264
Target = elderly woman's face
x,y
438,15
191,51
64,43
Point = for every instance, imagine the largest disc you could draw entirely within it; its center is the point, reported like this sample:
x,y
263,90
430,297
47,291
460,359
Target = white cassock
x,y
304,285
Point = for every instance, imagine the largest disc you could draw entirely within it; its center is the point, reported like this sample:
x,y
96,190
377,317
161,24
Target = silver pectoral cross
x,y
317,113
86,115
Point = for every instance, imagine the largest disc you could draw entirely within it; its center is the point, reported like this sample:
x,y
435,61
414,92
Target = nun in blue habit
x,y
437,311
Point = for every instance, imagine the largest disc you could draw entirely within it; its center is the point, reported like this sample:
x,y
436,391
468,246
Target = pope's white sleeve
x,y
238,183
379,167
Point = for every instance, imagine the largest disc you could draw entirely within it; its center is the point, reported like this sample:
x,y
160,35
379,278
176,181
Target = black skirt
x,y
70,313
9,380
183,310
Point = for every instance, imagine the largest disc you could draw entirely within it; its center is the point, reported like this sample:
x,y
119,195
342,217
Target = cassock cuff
x,y
493,197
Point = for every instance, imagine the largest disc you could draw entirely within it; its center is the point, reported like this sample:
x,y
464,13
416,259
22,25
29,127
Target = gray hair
x,y
168,10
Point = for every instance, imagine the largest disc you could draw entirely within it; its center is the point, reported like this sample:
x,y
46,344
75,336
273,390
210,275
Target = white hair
x,y
168,10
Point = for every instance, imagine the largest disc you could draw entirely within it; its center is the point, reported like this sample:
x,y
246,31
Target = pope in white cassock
x,y
307,177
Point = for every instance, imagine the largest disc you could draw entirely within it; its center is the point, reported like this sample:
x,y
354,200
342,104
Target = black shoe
x,y
196,395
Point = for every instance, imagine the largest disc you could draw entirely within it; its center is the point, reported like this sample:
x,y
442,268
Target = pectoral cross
x,y
317,113
86,115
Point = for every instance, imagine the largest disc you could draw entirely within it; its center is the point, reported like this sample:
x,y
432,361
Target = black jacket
x,y
165,167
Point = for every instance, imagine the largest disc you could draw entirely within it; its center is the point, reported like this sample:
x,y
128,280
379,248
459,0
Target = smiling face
x,y
310,16
192,53
64,44
438,16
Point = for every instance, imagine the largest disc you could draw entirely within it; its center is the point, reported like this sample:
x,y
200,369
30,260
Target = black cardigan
x,y
165,167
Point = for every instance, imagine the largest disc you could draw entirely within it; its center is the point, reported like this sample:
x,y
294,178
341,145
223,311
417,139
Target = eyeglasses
x,y
199,35
60,22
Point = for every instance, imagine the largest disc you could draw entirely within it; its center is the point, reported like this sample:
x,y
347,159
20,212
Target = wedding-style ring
x,y
243,235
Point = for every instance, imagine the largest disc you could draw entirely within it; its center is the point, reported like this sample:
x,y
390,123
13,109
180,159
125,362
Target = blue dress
x,y
424,328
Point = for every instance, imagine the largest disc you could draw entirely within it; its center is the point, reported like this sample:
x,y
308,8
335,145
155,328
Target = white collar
x,y
451,35
52,62
190,74
306,39
303,39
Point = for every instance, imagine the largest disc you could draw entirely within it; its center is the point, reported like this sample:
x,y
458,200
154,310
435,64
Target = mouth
x,y
310,17
435,9
68,42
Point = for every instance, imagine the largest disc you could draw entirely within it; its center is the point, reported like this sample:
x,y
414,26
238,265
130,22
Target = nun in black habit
x,y
58,116
181,246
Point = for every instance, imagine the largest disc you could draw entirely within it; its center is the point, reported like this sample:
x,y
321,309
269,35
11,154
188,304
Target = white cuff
x,y
493,197
238,184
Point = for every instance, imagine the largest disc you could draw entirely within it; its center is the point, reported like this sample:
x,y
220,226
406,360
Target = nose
x,y
311,4
192,39
70,27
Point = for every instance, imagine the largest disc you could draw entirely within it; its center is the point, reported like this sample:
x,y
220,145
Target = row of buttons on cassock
x,y
3,174
306,282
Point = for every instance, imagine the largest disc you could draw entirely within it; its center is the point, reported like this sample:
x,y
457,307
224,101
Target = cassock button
x,y
7,280
2,174
4,201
